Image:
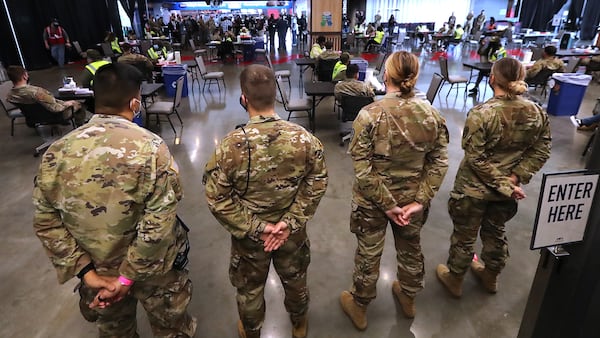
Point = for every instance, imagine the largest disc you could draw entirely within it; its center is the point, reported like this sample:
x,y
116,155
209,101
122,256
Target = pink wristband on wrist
x,y
125,281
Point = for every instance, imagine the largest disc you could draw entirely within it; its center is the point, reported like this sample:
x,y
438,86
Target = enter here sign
x,y
563,209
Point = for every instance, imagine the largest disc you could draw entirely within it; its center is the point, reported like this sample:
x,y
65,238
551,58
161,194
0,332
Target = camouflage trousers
x,y
369,226
164,298
248,272
470,216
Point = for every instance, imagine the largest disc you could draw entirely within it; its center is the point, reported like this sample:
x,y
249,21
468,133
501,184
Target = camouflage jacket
x,y
107,193
29,94
553,63
399,152
285,182
502,137
132,58
352,87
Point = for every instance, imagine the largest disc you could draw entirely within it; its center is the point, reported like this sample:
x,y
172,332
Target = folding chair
x,y
165,108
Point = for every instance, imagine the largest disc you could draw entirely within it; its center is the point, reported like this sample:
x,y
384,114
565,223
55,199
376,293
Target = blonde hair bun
x,y
517,87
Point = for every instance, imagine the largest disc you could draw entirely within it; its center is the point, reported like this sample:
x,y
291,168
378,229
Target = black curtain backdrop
x,y
115,18
574,14
129,7
537,14
85,21
8,51
591,18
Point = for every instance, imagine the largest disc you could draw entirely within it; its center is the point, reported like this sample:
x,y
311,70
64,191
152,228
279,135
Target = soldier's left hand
x,y
410,210
277,236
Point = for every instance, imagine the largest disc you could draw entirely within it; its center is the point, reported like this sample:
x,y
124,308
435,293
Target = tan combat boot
x,y
356,312
407,303
452,282
487,278
300,327
242,332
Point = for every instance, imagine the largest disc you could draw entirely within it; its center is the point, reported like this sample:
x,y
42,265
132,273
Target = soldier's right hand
x,y
396,214
518,193
275,235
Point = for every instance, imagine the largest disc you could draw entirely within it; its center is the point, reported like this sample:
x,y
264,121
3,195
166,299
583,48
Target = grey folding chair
x,y
165,108
10,109
197,51
572,65
294,105
209,77
280,74
451,79
434,87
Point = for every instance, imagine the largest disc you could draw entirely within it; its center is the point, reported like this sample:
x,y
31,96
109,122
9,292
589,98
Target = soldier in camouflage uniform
x,y
506,141
400,159
23,93
263,184
351,86
105,210
548,61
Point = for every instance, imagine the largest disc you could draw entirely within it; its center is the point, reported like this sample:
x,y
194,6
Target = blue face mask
x,y
155,46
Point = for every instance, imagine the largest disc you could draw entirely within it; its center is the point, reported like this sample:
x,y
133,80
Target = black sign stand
x,y
564,300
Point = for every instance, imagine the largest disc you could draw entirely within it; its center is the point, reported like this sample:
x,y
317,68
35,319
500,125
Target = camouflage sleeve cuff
x,y
523,175
257,227
423,201
389,205
506,189
292,223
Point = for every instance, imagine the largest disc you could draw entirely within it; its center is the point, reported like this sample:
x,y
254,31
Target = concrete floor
x,y
34,305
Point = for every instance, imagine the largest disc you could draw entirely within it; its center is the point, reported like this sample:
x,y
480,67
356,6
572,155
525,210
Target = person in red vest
x,y
55,39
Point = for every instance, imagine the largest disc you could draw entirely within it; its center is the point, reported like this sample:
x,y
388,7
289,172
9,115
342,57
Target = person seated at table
x,y
351,86
548,61
217,34
358,29
114,42
339,70
457,35
131,35
370,30
376,40
317,47
328,52
24,93
491,25
157,52
443,29
586,124
421,31
133,58
95,61
495,52
592,64
244,33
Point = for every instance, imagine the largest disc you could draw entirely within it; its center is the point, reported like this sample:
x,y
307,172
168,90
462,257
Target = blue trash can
x,y
567,93
170,74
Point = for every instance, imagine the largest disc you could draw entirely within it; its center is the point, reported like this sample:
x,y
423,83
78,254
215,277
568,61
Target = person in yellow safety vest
x,y
156,52
377,40
339,70
95,61
458,33
114,42
317,47
496,52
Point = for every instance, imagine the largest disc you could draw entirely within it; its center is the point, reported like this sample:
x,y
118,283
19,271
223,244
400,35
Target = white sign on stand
x,y
563,208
